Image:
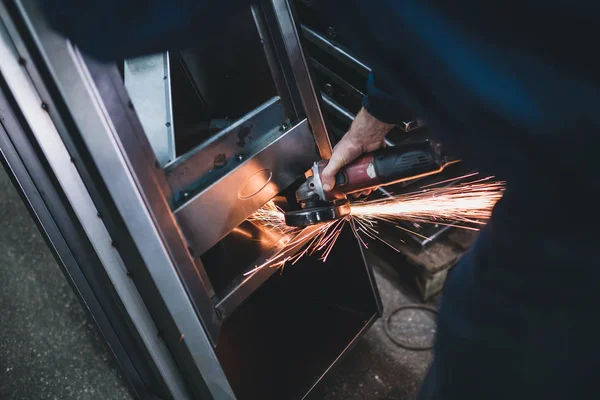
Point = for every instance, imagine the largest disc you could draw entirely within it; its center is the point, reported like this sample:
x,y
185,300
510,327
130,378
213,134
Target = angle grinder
x,y
389,165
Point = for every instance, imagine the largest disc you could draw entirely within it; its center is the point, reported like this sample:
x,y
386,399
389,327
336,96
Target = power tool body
x,y
386,166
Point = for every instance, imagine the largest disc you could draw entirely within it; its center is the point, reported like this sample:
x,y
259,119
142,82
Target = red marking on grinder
x,y
358,176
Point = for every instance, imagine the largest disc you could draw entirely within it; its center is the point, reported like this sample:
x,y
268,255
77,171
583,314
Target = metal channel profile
x,y
148,82
58,157
213,213
97,105
247,283
68,245
287,26
187,171
336,79
337,110
336,51
351,61
277,70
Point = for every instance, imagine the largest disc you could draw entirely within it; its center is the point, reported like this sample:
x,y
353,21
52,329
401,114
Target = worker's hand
x,y
366,134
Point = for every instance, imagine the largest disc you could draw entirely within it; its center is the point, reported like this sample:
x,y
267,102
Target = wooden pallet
x,y
424,271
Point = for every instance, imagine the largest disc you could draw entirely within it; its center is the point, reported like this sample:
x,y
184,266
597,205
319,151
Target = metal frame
x,y
195,187
87,121
281,20
142,227
68,245
69,182
256,180
99,111
355,64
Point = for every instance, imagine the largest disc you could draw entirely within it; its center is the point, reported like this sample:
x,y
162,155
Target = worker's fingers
x,y
337,161
344,152
366,134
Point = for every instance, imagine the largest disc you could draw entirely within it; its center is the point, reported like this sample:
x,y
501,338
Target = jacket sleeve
x,y
381,105
114,29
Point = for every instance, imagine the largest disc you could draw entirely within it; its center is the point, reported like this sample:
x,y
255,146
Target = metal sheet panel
x,y
185,173
148,82
213,213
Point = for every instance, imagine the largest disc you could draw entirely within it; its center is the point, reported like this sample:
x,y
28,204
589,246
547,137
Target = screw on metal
x,y
331,33
285,125
328,89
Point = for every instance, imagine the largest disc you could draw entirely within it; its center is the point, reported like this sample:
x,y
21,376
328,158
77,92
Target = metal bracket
x,y
148,82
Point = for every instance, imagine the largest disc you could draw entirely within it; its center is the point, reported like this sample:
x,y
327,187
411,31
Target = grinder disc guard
x,y
317,215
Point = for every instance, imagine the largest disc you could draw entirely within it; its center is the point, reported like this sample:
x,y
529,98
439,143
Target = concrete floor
x,y
377,369
49,349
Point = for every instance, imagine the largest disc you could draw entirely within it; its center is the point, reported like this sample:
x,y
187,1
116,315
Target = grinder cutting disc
x,y
316,215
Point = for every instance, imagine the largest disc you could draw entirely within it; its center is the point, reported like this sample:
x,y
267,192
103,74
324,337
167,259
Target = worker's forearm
x,y
367,133
368,127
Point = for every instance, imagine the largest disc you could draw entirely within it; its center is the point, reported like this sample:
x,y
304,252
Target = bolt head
x,y
331,33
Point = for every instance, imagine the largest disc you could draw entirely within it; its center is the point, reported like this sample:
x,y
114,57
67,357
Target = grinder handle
x,y
389,165
407,161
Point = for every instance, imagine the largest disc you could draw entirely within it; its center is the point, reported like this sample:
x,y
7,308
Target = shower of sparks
x,y
466,205
309,241
271,217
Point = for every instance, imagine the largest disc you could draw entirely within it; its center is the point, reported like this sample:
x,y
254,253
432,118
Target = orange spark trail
x,y
271,217
467,203
466,206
